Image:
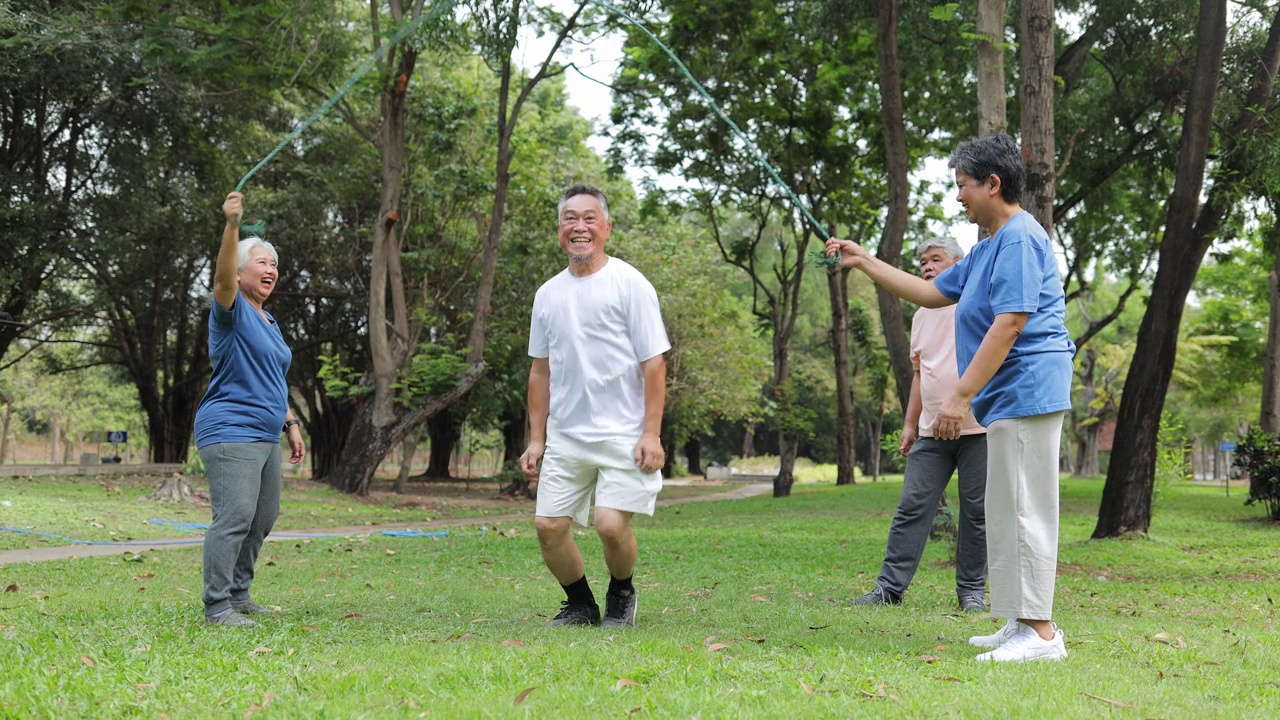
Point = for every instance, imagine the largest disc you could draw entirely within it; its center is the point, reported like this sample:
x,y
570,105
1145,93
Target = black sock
x,y
579,592
616,586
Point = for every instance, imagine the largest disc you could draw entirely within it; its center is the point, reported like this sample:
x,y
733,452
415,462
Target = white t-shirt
x,y
933,353
595,331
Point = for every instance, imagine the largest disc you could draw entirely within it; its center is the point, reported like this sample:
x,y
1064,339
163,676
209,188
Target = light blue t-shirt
x,y
1014,271
247,397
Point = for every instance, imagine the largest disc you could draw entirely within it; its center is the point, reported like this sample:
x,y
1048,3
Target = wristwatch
x,y
288,424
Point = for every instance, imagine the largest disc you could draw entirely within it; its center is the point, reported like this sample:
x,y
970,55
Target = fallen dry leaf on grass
x,y
523,694
759,598
1170,639
948,678
258,650
87,660
513,642
12,587
1109,701
351,616
716,647
308,627
808,688
625,682
930,658
145,686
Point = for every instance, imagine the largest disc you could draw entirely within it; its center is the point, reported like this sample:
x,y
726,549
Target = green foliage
x,y
1258,455
340,380
1171,456
432,370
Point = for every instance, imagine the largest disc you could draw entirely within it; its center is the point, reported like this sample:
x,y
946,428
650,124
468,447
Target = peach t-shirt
x,y
933,353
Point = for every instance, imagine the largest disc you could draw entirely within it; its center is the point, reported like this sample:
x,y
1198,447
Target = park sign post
x,y
1227,447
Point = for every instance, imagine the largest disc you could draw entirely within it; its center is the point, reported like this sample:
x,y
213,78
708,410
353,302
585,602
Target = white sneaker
x,y
1026,644
998,639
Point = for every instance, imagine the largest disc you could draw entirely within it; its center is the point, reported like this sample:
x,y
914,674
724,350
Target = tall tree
x,y
1035,108
386,415
1189,230
992,113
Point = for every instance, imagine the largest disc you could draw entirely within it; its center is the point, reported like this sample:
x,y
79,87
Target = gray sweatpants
x,y
930,464
244,487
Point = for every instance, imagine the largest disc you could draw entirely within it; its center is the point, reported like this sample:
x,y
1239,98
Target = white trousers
x,y
1022,515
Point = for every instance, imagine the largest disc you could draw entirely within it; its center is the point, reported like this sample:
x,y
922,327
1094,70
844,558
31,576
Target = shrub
x,y
1258,454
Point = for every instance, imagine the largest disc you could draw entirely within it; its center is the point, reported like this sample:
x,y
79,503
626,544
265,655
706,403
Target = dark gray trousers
x,y
929,467
244,487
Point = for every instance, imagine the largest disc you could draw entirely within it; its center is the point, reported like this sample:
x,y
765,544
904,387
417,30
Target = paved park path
x,y
65,552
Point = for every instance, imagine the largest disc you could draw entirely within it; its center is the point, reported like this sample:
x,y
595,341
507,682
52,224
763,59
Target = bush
x,y
1258,454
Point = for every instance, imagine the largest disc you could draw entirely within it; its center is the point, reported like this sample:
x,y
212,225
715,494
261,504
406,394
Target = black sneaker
x,y
571,614
878,596
620,609
972,603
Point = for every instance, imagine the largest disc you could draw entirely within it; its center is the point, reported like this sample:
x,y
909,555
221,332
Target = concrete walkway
x,y
65,552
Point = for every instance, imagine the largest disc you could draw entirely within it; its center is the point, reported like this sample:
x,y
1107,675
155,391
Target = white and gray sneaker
x,y
1026,644
998,638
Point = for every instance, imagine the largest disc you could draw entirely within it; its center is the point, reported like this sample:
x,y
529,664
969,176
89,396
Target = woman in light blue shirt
x,y
1015,364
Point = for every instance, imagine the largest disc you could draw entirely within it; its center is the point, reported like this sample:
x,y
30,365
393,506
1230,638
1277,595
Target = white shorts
x,y
571,468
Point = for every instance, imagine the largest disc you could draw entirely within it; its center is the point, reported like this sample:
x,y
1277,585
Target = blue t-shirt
x,y
1014,271
248,396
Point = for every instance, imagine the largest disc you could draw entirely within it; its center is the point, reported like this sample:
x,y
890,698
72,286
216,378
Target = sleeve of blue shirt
x,y
950,282
1016,277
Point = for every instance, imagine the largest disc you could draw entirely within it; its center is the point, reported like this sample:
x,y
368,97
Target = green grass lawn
x,y
743,614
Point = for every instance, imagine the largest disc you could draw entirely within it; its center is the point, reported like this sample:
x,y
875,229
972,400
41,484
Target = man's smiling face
x,y
584,228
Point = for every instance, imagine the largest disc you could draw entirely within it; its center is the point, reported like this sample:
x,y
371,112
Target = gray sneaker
x,y
230,618
620,609
878,596
972,603
571,614
249,607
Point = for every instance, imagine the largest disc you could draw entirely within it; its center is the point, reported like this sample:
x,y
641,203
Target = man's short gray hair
x,y
583,190
947,245
247,245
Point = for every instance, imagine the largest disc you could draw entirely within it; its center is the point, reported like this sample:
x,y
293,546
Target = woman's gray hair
x,y
947,245
247,245
583,190
988,155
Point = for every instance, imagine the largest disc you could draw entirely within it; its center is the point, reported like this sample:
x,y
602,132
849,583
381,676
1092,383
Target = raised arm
x,y
899,282
225,274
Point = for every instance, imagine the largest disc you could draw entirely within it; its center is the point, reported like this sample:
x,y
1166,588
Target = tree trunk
x,y
444,431
1126,496
55,439
5,423
693,454
515,435
1270,416
897,343
668,461
749,441
1086,433
838,291
788,447
876,452
367,444
408,448
1035,103
176,488
991,94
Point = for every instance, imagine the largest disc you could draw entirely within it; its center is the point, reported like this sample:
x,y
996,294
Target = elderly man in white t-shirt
x,y
596,391
930,461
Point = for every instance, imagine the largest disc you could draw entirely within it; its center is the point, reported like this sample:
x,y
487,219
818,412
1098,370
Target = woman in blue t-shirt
x,y
1015,364
239,421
